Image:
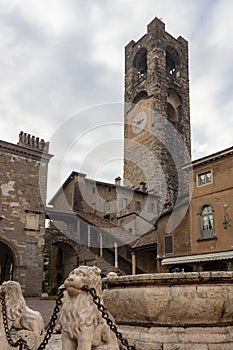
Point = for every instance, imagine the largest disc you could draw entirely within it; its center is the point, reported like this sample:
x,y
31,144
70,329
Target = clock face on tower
x,y
139,122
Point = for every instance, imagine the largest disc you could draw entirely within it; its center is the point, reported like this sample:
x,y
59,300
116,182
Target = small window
x,y
93,208
204,178
151,207
168,245
207,222
125,202
107,206
93,189
138,206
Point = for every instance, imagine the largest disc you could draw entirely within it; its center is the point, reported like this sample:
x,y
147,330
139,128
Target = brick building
x,y
22,220
210,223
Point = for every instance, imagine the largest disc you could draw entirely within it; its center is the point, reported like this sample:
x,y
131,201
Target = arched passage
x,y
63,258
7,263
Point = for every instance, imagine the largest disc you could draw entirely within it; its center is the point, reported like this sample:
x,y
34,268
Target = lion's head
x,y
83,276
15,302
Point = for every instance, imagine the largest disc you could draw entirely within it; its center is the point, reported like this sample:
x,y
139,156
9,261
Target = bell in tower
x,y
157,116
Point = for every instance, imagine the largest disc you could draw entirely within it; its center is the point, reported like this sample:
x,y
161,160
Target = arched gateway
x,y
7,263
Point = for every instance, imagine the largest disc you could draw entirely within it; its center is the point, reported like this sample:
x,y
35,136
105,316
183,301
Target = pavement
x,y
45,307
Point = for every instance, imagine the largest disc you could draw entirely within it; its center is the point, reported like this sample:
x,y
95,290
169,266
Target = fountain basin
x,y
171,299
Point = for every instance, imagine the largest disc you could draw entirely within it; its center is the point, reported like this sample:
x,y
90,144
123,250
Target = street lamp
x,y
226,218
225,223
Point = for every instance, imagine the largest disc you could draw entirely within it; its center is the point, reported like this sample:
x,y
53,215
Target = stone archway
x,y
7,263
63,258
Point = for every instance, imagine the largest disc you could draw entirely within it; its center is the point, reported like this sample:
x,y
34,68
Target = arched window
x,y
140,95
172,60
174,104
171,112
207,222
140,63
170,64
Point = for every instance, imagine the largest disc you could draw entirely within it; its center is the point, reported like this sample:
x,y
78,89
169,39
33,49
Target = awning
x,y
198,258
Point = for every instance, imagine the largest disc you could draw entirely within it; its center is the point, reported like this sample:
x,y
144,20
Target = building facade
x,y
210,226
94,222
22,208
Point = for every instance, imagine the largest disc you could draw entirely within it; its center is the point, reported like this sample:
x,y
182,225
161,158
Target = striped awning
x,y
198,258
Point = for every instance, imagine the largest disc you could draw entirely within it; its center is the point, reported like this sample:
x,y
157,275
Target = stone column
x,y
101,245
133,264
158,264
78,229
88,235
116,255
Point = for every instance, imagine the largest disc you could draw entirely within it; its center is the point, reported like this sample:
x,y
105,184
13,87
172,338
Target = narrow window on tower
x,y
140,65
170,64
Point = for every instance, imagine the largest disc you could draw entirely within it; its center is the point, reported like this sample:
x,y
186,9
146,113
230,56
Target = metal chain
x,y
21,342
105,315
52,321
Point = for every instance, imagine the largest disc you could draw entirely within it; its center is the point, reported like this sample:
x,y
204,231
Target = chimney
x,y
30,141
143,186
118,181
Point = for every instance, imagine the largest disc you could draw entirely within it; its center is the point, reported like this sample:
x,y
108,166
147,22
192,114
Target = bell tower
x,y
157,116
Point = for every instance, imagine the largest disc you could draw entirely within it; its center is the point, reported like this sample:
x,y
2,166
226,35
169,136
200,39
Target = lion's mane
x,y
15,303
78,309
20,316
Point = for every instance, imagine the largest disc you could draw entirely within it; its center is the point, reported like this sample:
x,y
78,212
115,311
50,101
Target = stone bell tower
x,y
157,118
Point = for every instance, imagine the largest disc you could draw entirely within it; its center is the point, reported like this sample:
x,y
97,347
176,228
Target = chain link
x,y
105,315
21,343
52,321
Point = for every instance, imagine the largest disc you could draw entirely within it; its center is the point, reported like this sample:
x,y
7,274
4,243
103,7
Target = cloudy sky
x,y
62,65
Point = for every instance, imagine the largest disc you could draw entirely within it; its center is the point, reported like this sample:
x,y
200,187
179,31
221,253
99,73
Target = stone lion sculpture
x,y
19,316
83,327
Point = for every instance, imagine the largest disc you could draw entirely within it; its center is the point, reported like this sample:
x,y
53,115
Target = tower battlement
x,y
30,141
